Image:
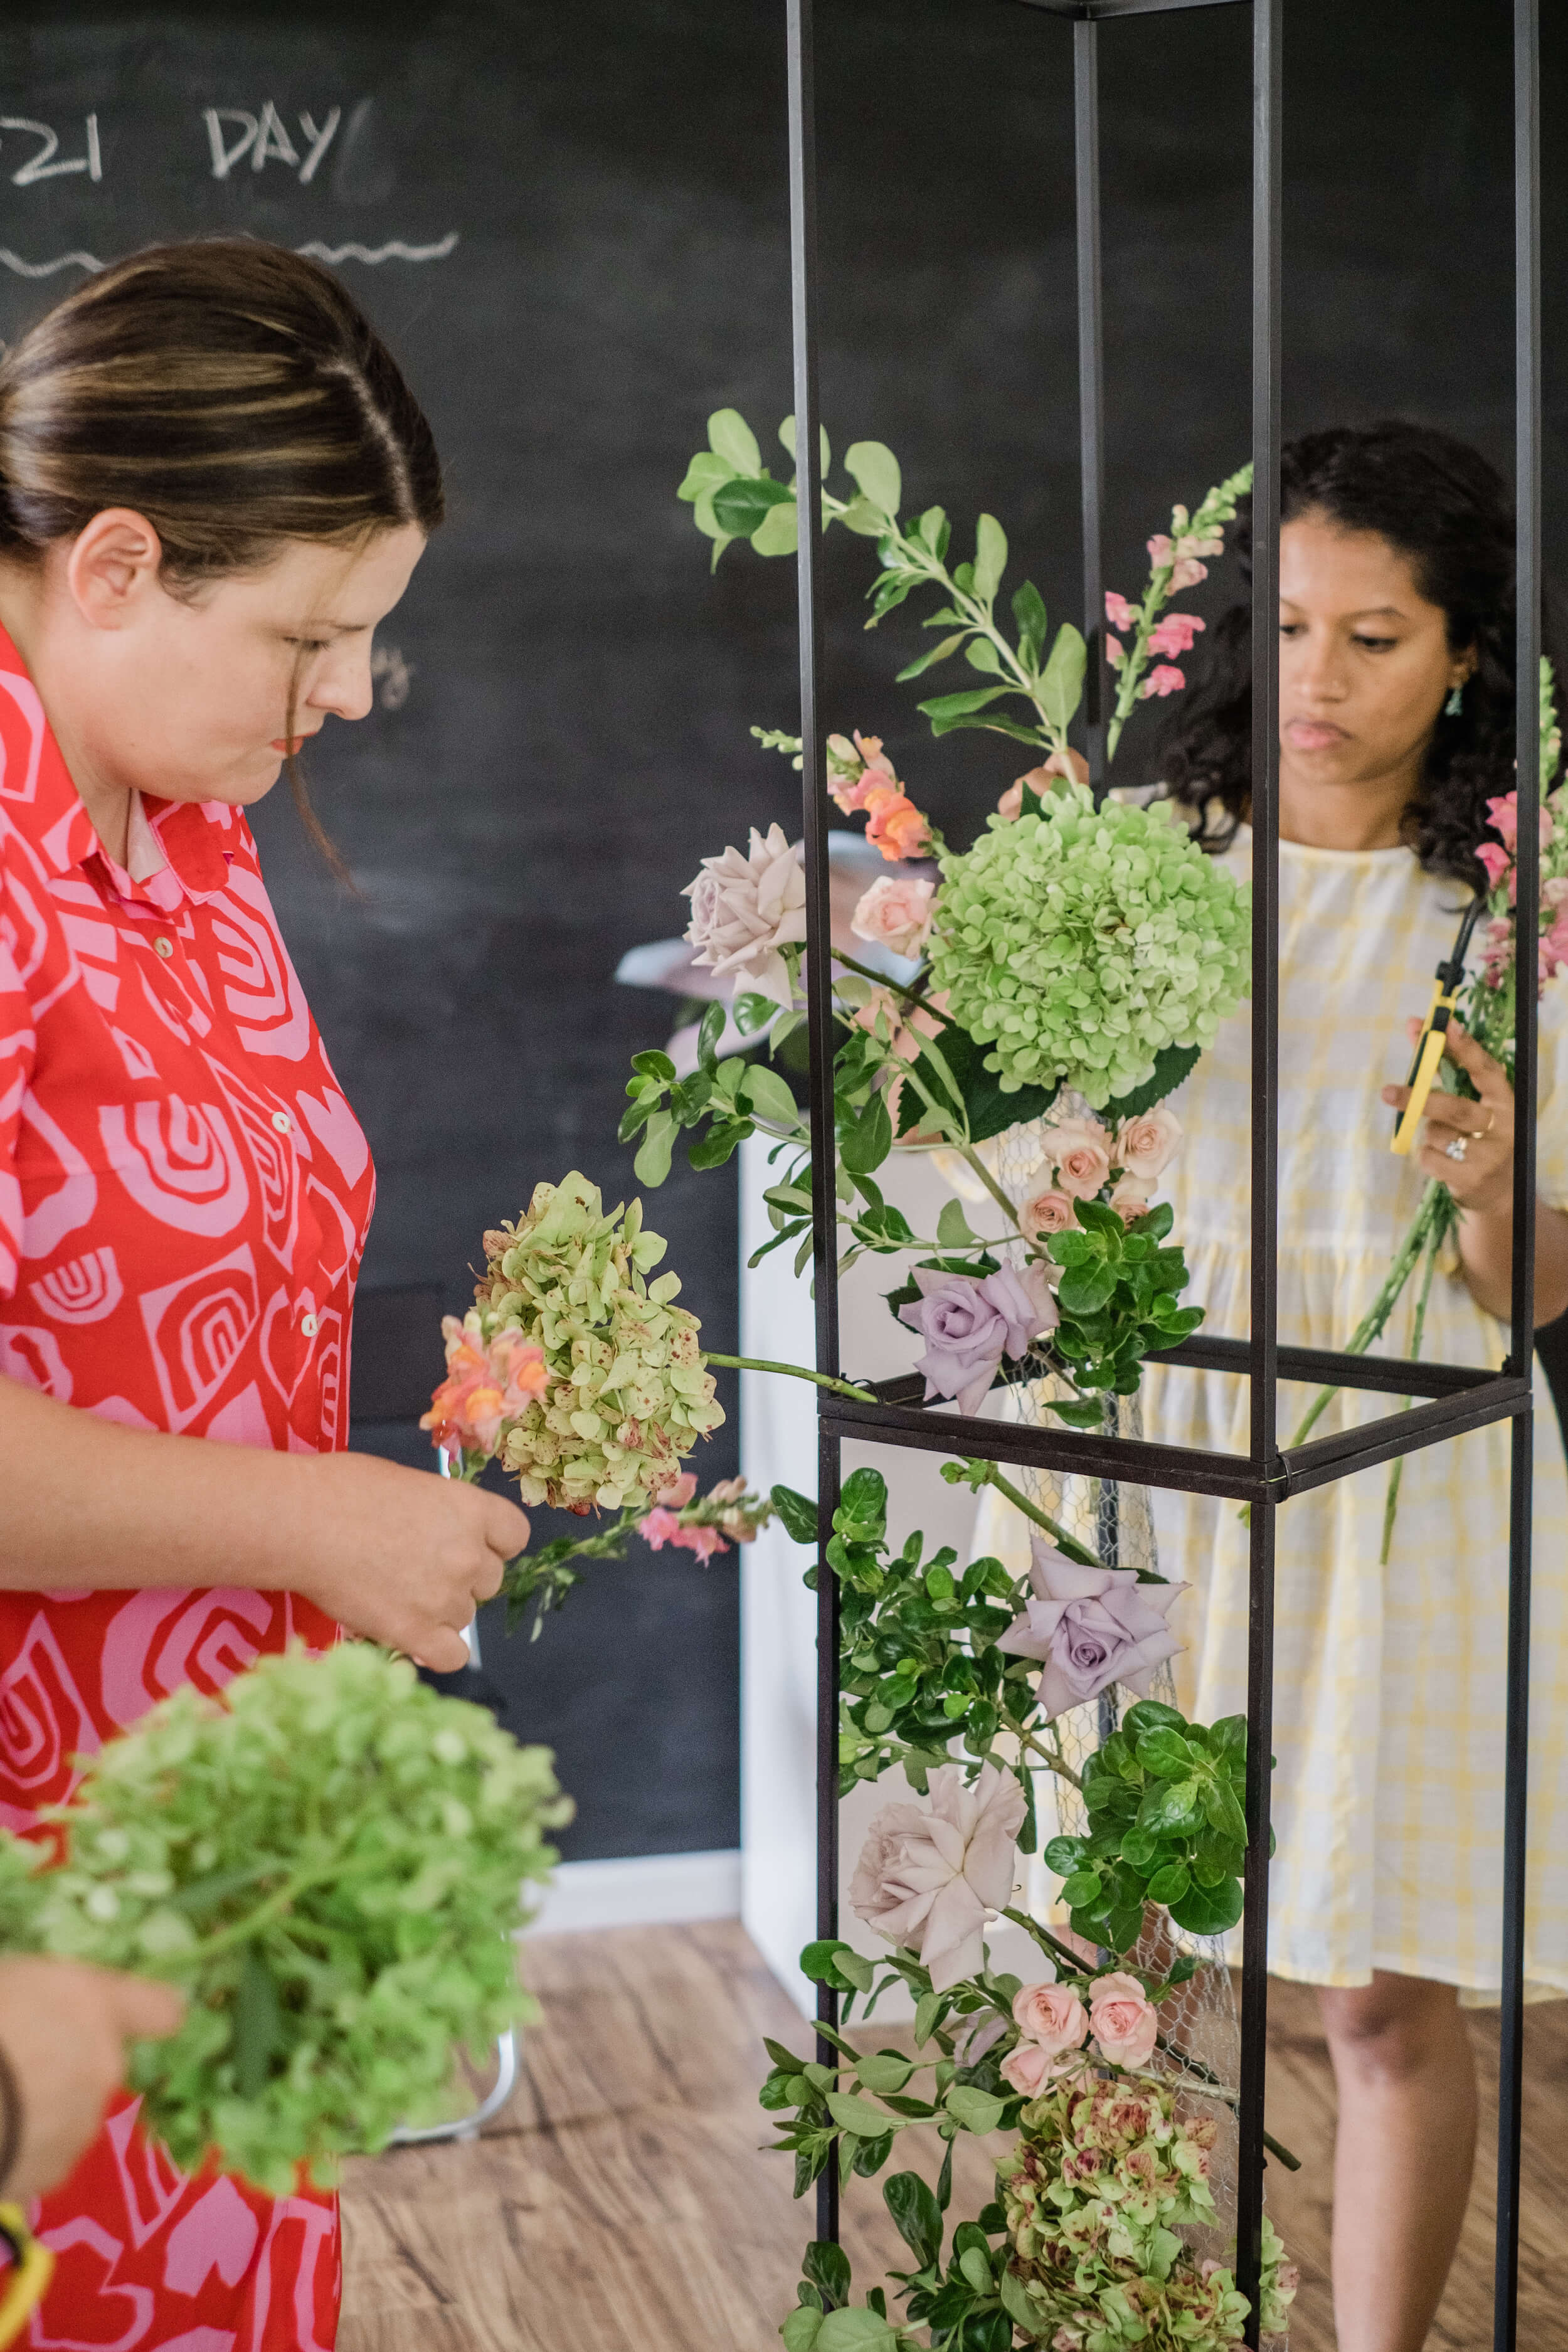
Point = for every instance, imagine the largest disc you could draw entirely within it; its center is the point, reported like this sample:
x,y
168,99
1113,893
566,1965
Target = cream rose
x,y
1045,1212
1147,1143
929,1873
746,907
1080,1150
896,913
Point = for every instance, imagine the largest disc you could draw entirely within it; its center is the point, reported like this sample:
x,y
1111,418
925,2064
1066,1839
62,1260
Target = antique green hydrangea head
x,y
628,1392
1079,942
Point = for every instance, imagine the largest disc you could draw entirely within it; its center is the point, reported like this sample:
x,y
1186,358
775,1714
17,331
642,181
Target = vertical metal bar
x,y
1090,382
808,495
1516,1779
1266,111
1254,1921
819,998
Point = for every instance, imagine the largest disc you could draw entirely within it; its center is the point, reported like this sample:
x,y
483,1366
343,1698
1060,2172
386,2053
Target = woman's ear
x,y
112,567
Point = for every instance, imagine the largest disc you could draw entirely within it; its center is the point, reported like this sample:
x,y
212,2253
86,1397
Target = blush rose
x,y
1122,2019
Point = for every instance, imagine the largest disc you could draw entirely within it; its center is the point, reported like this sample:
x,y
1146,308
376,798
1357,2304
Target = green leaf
x,y
884,2071
1063,1856
1165,1753
724,1137
861,515
819,1961
926,2012
797,1513
855,2114
741,504
1084,1289
750,1013
864,1501
258,2024
917,2217
1169,1805
989,1110
1061,686
1152,1715
705,473
654,1065
709,1029
763,1091
827,2266
778,533
855,2331
825,454
1223,1810
976,2270
930,659
1172,1064
958,705
802,2328
933,533
1029,615
1209,1910
874,469
730,436
990,557
1077,1416
1170,1884
981,653
977,2111
952,1226
865,1145
652,1163
1015,2303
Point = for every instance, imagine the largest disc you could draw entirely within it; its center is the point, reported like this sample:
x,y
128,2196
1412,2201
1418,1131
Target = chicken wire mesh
x,y
1201,2029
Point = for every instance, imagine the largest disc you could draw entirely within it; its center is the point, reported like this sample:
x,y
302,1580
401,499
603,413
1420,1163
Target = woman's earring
x,y
1456,701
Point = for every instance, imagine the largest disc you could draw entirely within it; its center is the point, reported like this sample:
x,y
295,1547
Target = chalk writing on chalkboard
x,y
264,140
46,162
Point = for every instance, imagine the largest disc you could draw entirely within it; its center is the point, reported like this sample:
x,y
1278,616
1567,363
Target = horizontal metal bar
x,y
1191,1469
1097,11
1328,1459
1328,1368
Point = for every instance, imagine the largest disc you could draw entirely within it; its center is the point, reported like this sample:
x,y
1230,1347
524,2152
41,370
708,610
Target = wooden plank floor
x,y
621,2204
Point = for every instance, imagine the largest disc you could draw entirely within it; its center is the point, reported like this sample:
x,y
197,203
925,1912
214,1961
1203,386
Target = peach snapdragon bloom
x,y
894,825
488,1383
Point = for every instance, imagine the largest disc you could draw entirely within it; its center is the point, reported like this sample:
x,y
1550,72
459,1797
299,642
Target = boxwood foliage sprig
x,y
1167,1824
330,1864
1118,1299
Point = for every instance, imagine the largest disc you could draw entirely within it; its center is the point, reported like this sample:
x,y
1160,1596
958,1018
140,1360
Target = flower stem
x,y
1053,1527
794,1371
1391,1504
1052,1758
972,1159
1430,1222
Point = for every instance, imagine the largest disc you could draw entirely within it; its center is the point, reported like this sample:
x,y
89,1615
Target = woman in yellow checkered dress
x,y
1395,725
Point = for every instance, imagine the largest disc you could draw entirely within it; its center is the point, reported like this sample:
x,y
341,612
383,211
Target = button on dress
x,y
184,1194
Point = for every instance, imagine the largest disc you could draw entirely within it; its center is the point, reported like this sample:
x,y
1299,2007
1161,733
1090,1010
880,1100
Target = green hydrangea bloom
x,y
629,1393
330,1864
1080,942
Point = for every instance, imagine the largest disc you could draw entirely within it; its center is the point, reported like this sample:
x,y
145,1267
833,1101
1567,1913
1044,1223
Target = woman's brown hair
x,y
232,393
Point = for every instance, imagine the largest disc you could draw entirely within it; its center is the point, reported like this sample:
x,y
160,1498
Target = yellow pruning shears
x,y
32,2267
1429,1044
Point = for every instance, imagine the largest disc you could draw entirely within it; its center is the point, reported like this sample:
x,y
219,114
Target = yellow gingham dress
x,y
1388,1706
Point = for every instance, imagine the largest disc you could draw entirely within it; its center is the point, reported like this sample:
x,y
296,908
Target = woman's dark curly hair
x,y
1447,511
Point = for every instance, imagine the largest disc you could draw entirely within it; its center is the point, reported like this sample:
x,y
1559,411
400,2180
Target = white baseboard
x,y
645,1890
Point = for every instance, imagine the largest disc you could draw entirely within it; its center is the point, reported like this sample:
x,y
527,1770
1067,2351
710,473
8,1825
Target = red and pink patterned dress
x,y
184,1199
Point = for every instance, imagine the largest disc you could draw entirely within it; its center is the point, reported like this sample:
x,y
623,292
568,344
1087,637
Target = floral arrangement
x,y
1080,2248
329,1863
1067,969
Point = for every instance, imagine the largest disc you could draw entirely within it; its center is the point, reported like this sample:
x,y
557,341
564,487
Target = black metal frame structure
x,y
1456,1399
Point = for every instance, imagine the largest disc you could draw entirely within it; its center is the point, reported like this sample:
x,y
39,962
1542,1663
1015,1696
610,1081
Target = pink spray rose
x,y
1052,2015
1123,2019
929,1873
1147,1143
1047,1211
896,913
1163,679
969,1322
1176,633
1129,1200
1090,1627
1118,611
1029,2068
1080,1150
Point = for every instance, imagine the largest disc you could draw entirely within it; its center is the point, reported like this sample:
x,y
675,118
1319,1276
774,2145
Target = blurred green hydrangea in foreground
x,y
1080,942
329,1863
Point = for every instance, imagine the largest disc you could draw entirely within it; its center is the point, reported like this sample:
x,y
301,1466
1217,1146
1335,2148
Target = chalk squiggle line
x,y
333,253
46,269
395,251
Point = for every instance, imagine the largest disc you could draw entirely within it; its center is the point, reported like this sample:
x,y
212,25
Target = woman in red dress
x,y
214,483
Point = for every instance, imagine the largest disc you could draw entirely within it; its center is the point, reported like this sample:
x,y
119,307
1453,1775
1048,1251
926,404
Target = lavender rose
x,y
746,907
929,1873
969,1322
1090,1627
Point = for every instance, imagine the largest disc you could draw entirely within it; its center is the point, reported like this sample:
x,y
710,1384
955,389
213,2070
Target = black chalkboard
x,y
597,194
